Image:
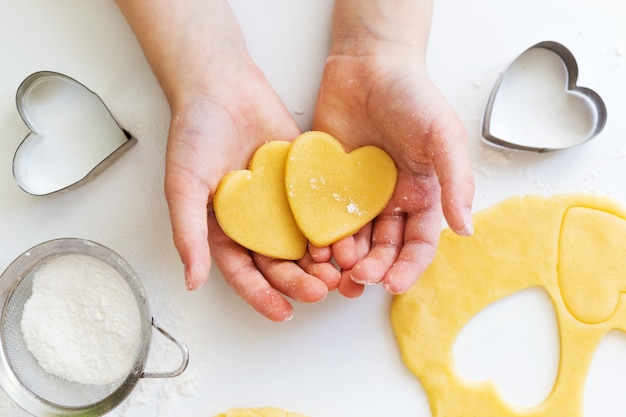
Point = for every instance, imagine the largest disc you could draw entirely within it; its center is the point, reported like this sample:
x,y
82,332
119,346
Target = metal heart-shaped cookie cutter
x,y
69,153
594,103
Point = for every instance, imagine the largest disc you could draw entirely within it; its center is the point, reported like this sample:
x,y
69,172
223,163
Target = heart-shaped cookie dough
x,y
589,296
537,106
332,193
260,412
252,209
73,136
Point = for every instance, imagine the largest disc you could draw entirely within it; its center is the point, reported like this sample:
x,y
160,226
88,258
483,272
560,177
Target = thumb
x,y
187,203
451,160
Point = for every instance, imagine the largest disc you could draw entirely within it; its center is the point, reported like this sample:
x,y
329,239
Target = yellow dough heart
x,y
590,297
252,209
332,193
259,412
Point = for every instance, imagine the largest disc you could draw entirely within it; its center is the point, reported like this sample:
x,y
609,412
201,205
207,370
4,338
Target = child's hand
x,y
375,91
223,108
209,137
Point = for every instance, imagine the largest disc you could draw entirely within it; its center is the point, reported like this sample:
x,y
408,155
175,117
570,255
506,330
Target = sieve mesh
x,y
52,389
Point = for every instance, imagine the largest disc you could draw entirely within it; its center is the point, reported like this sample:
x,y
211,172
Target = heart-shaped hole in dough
x,y
537,106
72,134
514,344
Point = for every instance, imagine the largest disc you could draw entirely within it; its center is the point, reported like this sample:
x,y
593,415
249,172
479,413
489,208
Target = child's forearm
x,y
187,43
367,26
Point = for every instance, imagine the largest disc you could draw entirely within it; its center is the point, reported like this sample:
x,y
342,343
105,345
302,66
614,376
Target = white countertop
x,y
337,358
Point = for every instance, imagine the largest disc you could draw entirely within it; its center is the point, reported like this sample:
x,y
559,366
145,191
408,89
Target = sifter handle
x,y
185,354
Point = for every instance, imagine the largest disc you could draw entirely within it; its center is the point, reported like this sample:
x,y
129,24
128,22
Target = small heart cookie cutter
x,y
46,86
595,103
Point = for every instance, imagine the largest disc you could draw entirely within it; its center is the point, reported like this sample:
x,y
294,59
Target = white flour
x,y
82,322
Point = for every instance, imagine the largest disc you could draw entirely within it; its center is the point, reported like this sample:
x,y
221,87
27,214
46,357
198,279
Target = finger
x,y
348,288
344,252
291,280
347,252
421,237
452,164
320,253
187,203
363,241
327,272
387,237
243,276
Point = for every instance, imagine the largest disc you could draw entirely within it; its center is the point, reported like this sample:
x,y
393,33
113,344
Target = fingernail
x,y
362,282
468,225
389,288
191,283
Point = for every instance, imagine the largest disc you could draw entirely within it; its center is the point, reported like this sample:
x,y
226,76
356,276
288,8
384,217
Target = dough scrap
x,y
566,244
